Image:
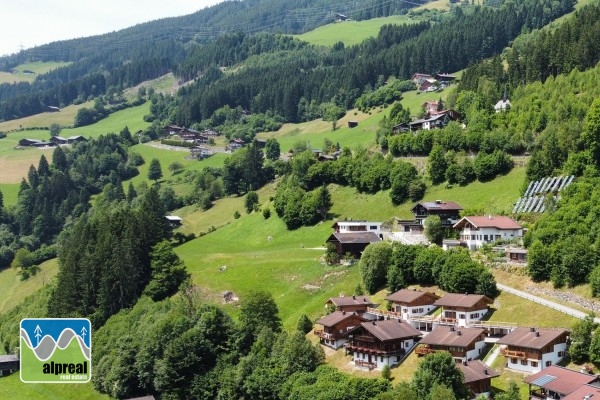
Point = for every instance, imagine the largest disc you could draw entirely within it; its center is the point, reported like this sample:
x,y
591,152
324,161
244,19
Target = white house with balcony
x,y
463,309
478,230
531,350
351,226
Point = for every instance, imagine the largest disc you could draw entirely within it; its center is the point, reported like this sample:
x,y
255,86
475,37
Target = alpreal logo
x,y
56,350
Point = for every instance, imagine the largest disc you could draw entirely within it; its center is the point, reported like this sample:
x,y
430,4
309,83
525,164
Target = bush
x,y
267,213
236,215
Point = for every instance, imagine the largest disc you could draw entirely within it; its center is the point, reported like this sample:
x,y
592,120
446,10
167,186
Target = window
x,y
373,227
523,362
548,363
461,316
475,315
513,360
485,237
534,364
381,358
561,353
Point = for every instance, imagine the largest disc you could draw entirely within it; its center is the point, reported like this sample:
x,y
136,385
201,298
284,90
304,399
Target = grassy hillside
x,y
13,388
15,290
351,32
15,163
65,118
36,67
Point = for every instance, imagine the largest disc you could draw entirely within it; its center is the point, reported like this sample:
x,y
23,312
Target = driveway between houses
x,y
548,303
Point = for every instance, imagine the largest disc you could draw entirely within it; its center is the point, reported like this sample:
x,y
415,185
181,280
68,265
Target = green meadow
x,y
11,387
37,68
351,32
15,290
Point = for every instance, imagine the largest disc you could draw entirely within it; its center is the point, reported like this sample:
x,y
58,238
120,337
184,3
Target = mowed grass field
x,y
37,67
11,387
65,118
351,32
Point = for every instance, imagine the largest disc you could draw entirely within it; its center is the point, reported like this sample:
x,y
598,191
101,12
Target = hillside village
x,y
441,242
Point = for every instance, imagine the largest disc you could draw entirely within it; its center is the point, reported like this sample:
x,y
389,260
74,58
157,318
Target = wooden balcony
x,y
324,335
375,351
512,353
423,350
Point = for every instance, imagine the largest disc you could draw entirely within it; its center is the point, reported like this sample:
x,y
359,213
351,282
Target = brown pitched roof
x,y
592,392
538,339
560,379
476,370
443,205
357,237
461,300
390,329
450,336
408,296
498,222
336,317
351,301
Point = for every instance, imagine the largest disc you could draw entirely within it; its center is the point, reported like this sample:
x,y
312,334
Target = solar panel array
x,y
533,199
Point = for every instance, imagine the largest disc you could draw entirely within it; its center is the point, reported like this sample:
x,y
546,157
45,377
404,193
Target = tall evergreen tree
x,y
155,170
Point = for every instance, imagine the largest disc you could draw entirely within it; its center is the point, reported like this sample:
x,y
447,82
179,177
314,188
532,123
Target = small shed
x,y
9,363
352,124
174,220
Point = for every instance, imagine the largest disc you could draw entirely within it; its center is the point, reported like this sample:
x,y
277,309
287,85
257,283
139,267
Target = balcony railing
x,y
513,353
422,350
384,313
372,350
325,335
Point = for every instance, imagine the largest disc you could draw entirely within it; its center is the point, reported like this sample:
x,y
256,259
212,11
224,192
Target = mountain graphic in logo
x,y
56,350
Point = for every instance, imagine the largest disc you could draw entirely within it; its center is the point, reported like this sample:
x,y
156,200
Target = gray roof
x,y
356,237
408,296
8,358
351,301
532,338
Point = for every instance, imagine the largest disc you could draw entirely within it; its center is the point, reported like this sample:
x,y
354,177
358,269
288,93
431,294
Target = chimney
x,y
374,323
343,312
458,333
485,371
490,216
532,329
452,329
399,321
537,334
365,299
465,362
438,202
353,297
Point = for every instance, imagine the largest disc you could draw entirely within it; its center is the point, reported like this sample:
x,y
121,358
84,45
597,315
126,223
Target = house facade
x,y
412,303
353,243
448,211
516,255
357,226
479,230
531,350
379,343
462,309
419,78
464,344
335,327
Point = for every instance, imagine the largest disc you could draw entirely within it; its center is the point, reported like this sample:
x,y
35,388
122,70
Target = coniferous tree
x,y
155,171
43,167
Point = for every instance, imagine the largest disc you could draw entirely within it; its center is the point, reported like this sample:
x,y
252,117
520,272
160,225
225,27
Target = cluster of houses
x,y
431,83
475,231
54,141
425,323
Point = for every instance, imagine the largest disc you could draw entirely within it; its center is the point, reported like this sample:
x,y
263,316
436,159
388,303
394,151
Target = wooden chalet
x,y
379,343
335,327
462,309
448,211
35,143
478,377
464,344
444,79
410,303
479,230
354,243
401,128
59,140
534,349
76,139
434,120
557,382
210,133
429,85
9,363
350,304
235,144
172,129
